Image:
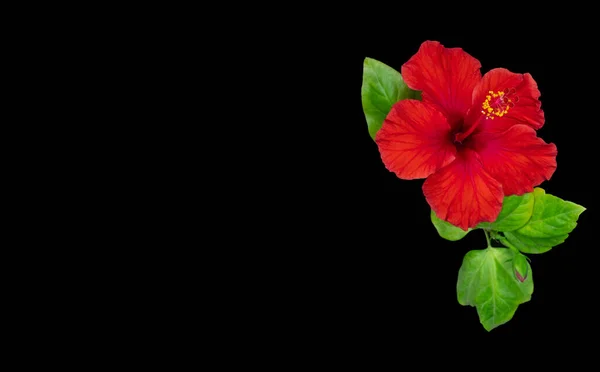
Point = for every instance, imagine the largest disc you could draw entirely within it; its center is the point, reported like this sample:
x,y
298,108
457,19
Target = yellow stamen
x,y
499,105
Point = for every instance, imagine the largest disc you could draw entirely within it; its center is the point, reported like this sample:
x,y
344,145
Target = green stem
x,y
487,238
506,243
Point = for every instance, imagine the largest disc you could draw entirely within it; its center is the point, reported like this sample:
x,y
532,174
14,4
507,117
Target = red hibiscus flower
x,y
473,137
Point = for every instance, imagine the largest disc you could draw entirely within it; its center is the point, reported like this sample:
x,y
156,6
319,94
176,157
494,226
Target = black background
x,y
377,269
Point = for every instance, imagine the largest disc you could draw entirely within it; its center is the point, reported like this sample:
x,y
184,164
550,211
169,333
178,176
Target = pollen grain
x,y
496,104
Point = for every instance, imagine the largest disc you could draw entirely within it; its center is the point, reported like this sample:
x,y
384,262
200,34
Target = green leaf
x,y
447,230
382,87
516,211
550,224
486,280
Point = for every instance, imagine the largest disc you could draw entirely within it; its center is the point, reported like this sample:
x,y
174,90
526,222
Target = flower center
x,y
497,104
456,135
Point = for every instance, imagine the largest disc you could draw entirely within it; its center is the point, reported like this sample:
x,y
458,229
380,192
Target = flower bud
x,y
520,267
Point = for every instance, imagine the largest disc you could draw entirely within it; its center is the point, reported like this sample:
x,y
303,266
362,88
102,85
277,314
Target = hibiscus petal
x,y
517,158
414,140
463,193
522,91
446,77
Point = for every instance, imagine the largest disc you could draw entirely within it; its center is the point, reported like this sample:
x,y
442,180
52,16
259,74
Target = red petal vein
x,y
463,193
517,158
446,77
414,140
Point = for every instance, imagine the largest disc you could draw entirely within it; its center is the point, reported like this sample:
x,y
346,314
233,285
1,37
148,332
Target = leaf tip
x,y
579,209
489,326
